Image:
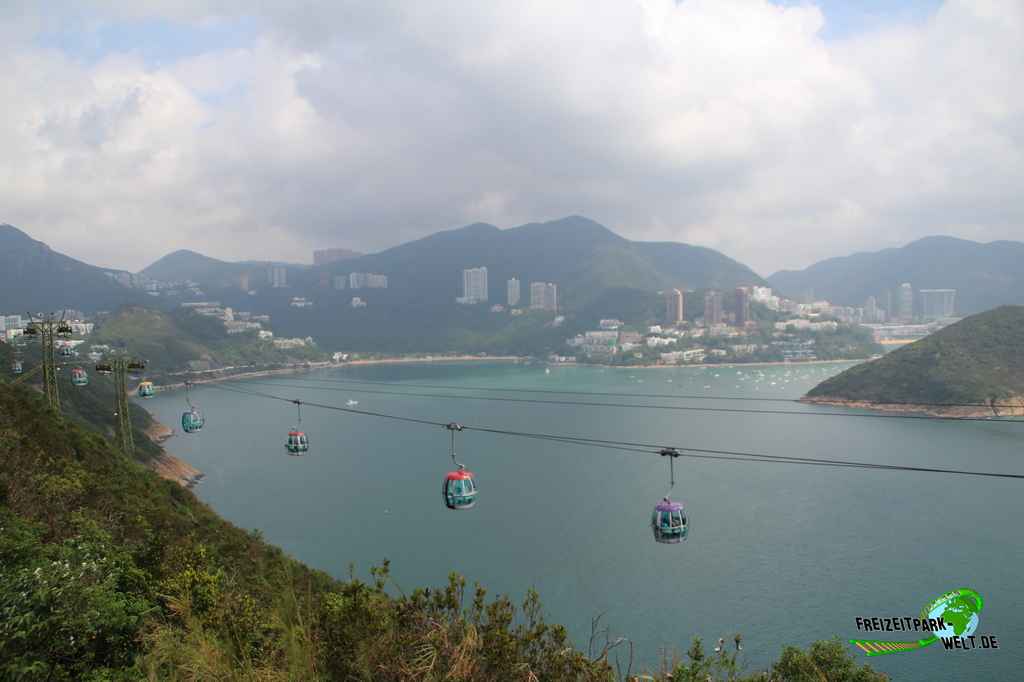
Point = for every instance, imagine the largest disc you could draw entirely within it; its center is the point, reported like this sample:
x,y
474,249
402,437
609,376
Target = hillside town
x,y
747,324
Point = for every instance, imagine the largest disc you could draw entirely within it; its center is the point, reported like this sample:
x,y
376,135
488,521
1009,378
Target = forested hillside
x,y
977,360
169,341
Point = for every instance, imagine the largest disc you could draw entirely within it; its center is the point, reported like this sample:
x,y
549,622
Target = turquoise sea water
x,y
783,554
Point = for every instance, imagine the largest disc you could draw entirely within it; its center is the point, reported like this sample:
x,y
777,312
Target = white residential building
x,y
474,286
514,291
375,281
278,276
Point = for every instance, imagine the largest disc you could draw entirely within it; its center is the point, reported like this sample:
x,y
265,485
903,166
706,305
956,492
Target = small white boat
x,y
547,370
352,403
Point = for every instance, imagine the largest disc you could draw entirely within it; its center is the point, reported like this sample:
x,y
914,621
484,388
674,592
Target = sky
x,y
779,133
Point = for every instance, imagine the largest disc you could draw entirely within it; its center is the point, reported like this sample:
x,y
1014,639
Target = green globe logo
x,y
959,610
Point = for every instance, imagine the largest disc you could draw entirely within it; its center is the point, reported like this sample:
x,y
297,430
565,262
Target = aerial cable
x,y
680,408
684,451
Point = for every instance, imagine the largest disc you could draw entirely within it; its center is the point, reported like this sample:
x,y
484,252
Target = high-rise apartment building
x,y
474,286
742,306
357,280
514,292
375,281
277,275
713,308
674,306
906,300
544,296
937,303
871,311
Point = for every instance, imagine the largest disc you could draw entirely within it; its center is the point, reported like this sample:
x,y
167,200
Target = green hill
x,y
581,256
169,341
109,573
185,264
976,360
34,277
984,275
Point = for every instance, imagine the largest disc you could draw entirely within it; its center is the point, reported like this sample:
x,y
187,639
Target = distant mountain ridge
x,y
185,264
597,271
583,257
34,277
984,275
977,360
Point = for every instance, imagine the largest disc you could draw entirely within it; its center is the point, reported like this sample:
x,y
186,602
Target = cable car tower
x,y
46,328
120,368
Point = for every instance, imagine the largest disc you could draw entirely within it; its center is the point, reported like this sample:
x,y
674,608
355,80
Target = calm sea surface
x,y
783,554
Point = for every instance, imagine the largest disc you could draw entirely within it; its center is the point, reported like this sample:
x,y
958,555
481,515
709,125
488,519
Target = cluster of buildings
x,y
723,329
543,295
901,316
155,287
326,256
235,322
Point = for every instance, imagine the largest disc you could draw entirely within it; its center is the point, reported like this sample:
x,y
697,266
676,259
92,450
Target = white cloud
x,y
723,122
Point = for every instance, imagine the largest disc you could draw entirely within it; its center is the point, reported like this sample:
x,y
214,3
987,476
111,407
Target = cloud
x,y
728,123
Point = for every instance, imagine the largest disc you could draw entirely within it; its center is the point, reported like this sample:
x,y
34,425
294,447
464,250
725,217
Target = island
x,y
972,368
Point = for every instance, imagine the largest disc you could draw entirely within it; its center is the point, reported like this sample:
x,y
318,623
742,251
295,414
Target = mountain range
x,y
596,271
34,277
984,275
585,259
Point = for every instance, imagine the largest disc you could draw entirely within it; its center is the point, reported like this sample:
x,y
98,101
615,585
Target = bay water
x,y
782,553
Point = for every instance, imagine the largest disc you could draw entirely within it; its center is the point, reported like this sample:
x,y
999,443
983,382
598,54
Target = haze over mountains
x,y
593,267
984,275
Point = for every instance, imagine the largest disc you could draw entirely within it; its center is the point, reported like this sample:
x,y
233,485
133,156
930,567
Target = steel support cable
x,y
696,453
677,408
674,396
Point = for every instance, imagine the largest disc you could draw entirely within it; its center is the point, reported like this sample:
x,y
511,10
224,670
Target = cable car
x,y
192,419
67,351
459,489
669,522
297,443
79,377
16,367
146,389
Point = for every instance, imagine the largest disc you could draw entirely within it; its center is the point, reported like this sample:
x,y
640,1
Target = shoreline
x,y
312,366
1002,408
766,363
167,465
